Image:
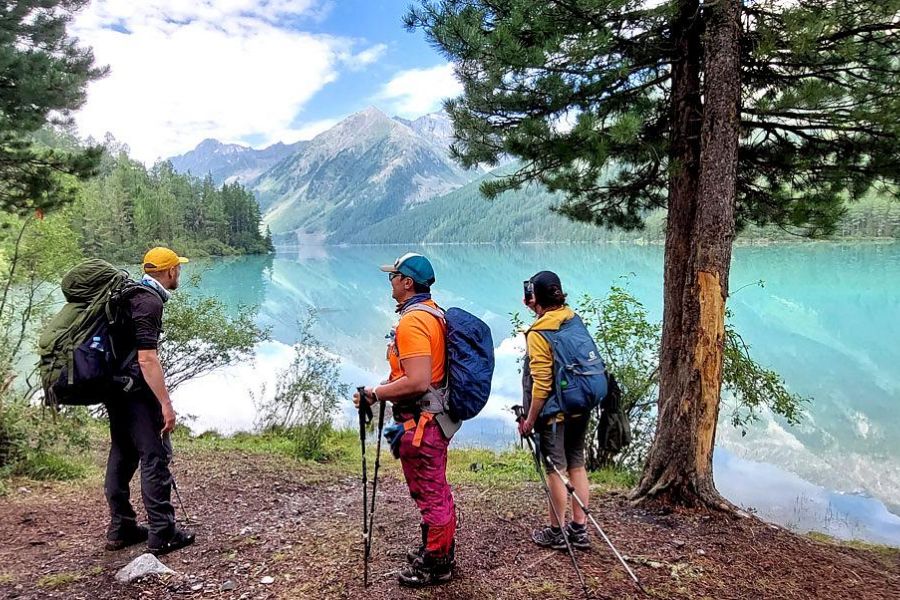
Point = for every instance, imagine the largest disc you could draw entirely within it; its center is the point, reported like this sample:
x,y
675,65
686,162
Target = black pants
x,y
135,422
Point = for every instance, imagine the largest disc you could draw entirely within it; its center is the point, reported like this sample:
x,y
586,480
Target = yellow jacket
x,y
540,356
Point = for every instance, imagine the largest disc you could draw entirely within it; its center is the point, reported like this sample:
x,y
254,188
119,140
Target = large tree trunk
x,y
699,237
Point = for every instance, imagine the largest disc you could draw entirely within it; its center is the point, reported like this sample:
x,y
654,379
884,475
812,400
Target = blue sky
x,y
250,71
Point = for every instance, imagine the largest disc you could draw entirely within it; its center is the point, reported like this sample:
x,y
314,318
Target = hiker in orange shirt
x,y
421,435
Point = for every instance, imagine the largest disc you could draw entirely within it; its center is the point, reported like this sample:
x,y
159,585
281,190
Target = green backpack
x,y
613,428
79,364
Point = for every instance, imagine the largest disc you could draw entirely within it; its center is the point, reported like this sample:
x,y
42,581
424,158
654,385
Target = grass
x,y
505,468
464,465
886,551
46,466
58,579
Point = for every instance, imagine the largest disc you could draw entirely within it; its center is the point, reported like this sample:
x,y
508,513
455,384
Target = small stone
x,y
228,586
267,580
701,552
678,543
143,565
197,587
24,490
246,530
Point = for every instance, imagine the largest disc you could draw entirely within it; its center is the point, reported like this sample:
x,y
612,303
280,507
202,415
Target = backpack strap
x,y
435,312
438,314
436,401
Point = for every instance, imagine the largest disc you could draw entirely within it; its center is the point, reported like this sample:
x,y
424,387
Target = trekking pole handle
x,y
365,409
519,411
521,415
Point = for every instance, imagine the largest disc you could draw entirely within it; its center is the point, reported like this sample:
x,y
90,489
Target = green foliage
x,y
45,75
202,334
128,209
34,254
630,345
525,215
37,444
582,93
307,396
754,387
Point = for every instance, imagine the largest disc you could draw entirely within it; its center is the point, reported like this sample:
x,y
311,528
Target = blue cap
x,y
413,265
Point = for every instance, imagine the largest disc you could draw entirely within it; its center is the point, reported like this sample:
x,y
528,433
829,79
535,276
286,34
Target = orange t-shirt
x,y
418,334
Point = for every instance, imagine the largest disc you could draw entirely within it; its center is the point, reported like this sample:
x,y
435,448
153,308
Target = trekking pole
x,y
590,515
167,445
375,477
187,519
535,453
365,415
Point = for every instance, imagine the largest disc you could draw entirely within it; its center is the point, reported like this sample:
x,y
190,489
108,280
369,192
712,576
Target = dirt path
x,y
260,516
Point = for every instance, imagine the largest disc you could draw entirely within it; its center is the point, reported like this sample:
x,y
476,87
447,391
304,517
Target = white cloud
x,y
366,57
184,71
419,91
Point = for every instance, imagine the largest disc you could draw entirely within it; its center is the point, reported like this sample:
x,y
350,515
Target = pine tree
x,y
726,115
43,77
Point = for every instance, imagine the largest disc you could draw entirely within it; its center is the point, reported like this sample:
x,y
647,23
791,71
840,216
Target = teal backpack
x,y
579,374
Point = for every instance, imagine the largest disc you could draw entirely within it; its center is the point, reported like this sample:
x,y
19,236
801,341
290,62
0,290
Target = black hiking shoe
x,y
426,570
180,539
578,536
129,537
548,537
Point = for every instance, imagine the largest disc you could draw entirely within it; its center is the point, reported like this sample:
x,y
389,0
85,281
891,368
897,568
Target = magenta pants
x,y
425,470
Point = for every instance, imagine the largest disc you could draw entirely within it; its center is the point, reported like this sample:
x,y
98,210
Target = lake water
x,y
827,319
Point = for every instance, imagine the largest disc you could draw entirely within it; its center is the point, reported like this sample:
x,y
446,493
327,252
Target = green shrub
x,y
39,444
306,397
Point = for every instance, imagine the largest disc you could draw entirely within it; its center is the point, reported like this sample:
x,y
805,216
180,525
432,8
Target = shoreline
x,y
264,515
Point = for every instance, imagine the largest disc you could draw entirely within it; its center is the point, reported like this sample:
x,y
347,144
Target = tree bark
x,y
699,237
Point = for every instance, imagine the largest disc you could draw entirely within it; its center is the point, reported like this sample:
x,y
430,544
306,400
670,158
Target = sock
x,y
555,529
577,526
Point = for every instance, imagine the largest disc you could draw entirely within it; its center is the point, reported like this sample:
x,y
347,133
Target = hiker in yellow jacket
x,y
561,437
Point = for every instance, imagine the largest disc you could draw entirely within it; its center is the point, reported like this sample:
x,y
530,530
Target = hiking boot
x,y
413,554
180,538
549,537
426,570
578,536
129,536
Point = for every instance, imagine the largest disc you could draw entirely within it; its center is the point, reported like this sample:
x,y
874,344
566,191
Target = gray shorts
x,y
565,447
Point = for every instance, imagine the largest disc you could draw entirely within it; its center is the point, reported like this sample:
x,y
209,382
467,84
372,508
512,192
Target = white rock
x,y
267,580
143,565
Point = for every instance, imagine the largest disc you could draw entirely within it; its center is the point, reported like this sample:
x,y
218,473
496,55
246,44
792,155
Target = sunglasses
x,y
394,274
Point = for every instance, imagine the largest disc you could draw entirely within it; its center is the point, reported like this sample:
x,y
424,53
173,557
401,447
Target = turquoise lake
x,y
827,319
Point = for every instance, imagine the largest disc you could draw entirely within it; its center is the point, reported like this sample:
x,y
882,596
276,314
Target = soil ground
x,y
258,516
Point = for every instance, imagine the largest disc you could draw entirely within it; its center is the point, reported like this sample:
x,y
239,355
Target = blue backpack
x,y
579,375
470,360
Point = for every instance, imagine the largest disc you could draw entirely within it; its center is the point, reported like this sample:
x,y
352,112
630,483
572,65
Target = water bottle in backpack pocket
x,y
93,372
